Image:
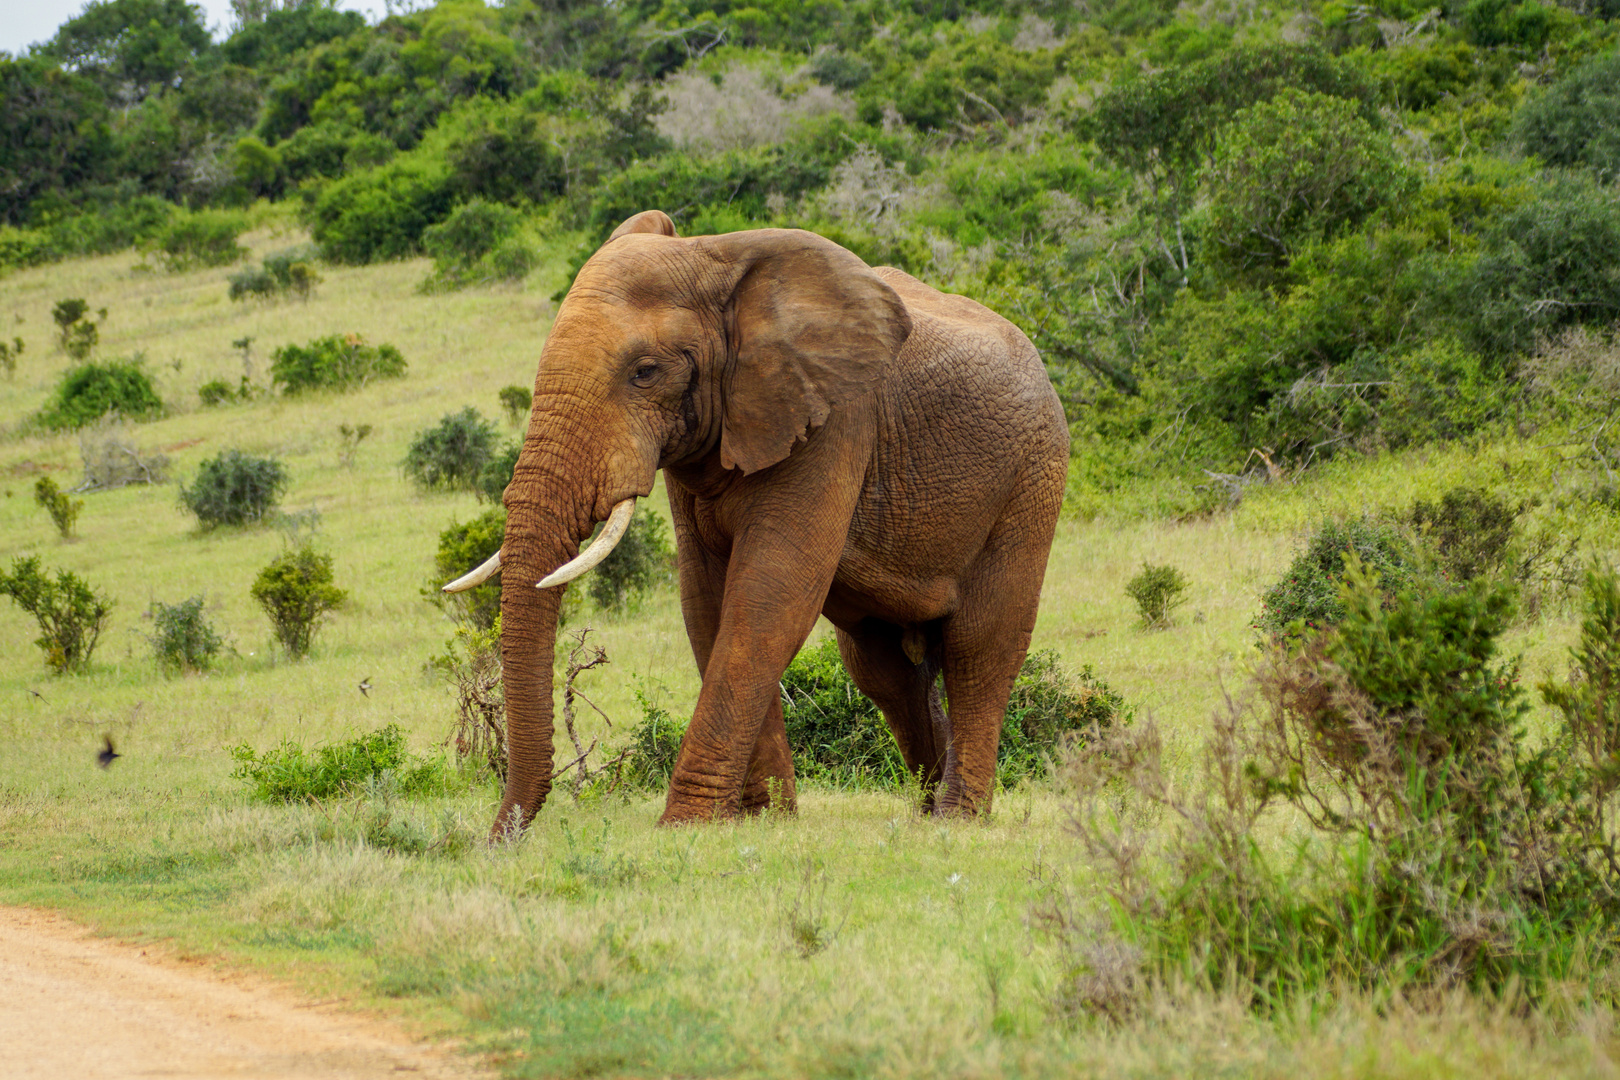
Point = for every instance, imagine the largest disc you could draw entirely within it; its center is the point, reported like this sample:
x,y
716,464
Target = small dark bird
x,y
365,686
36,693
108,755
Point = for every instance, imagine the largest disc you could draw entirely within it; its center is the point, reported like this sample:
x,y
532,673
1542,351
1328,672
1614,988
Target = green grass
x,y
852,940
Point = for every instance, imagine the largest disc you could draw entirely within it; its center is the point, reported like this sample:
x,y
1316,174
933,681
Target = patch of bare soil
x,y
72,1005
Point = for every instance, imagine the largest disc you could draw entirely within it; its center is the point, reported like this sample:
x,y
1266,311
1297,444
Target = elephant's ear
x,y
811,328
648,221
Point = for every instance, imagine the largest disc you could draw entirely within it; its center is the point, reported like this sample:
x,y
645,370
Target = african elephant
x,y
836,440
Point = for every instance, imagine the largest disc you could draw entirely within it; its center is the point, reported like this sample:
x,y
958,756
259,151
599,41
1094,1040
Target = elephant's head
x,y
665,351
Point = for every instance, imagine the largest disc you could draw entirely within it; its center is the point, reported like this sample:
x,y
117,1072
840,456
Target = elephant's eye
x,y
644,373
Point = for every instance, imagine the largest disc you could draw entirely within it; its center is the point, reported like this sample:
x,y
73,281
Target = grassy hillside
x,y
855,939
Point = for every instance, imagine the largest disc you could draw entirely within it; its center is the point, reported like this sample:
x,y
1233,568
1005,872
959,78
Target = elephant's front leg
x,y
775,584
770,783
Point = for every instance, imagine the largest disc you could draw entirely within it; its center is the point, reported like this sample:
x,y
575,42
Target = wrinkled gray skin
x,y
835,440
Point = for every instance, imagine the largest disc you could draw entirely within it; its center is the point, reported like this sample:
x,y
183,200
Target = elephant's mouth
x,y
617,523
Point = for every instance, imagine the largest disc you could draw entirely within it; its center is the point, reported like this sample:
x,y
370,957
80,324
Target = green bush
x,y
462,548
453,453
95,389
380,214
516,401
1158,591
64,511
1448,849
639,562
70,614
1296,169
1310,591
479,242
9,352
202,238
840,739
497,473
1545,265
234,489
295,589
1470,531
471,231
338,362
281,273
1050,710
1572,122
291,773
182,638
77,333
217,392
649,756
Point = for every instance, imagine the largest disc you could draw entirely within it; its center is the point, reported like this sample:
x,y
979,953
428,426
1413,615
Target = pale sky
x,y
34,22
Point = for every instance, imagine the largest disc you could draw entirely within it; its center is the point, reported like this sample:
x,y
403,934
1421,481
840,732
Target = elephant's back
x,y
970,431
978,362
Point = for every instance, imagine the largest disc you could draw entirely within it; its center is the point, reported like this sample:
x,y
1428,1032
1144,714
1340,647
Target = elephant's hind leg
x,y
907,692
985,642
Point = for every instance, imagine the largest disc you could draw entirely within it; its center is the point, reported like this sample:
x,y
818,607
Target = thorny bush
x,y
70,614
1443,847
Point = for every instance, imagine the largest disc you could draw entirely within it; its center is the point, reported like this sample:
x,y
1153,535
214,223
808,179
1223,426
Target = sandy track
x,y
72,1005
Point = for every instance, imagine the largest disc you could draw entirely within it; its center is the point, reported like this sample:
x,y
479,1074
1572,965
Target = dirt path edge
x,y
73,1004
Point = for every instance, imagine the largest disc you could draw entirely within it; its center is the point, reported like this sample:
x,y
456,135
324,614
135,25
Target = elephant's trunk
x,y
537,540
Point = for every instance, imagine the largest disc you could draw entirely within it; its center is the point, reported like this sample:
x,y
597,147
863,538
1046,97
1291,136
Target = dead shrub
x,y
739,108
112,460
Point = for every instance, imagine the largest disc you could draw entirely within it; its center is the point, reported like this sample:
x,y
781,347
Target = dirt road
x,y
75,1006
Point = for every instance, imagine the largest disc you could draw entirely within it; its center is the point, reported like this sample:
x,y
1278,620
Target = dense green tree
x,y
55,133
270,42
1576,121
132,47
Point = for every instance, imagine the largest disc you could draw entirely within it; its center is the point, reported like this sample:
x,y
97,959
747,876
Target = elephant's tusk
x,y
491,567
600,548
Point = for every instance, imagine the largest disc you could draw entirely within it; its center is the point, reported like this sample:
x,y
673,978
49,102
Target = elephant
x,y
836,440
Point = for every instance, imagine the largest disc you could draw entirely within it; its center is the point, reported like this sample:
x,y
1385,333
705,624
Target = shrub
x,y
70,614
1572,122
112,461
9,352
472,663
182,638
462,547
1293,170
380,213
840,739
338,362
649,757
1158,591
280,273
453,453
63,510
1309,591
1049,710
638,563
479,242
217,392
1544,266
76,332
93,390
291,773
1398,738
516,401
350,437
497,473
202,238
295,590
1469,530
234,489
